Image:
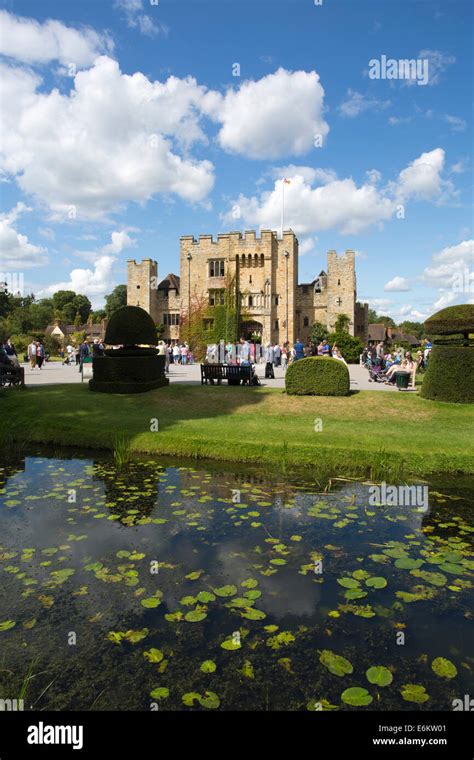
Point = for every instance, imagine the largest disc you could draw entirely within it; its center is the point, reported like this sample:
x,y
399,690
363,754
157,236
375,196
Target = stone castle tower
x,y
265,272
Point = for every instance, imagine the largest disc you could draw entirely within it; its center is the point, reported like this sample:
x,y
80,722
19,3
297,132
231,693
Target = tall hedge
x,y
130,326
450,373
317,376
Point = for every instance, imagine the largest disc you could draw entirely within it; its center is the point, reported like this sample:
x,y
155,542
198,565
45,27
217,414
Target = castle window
x,y
171,319
250,279
216,268
250,300
138,287
208,324
216,297
338,282
262,260
339,301
305,290
277,300
305,322
277,324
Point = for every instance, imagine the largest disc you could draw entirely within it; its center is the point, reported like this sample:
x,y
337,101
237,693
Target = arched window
x,y
262,260
305,322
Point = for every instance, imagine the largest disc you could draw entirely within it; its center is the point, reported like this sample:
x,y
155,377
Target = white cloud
x,y
47,233
114,138
456,123
16,252
307,245
340,203
397,285
136,19
438,62
119,242
94,283
449,264
357,103
32,42
395,120
280,114
422,177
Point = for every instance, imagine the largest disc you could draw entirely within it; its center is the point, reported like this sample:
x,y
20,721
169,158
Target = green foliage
x,y
318,332
115,300
452,320
66,304
210,324
130,326
317,376
413,328
376,319
444,668
379,675
449,374
349,346
336,664
356,696
128,374
343,322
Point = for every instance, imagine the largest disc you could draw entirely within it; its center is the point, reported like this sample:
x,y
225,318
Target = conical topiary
x,y
130,326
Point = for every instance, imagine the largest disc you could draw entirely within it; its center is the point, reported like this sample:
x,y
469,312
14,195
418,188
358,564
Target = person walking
x,y
269,356
32,354
299,350
84,353
277,354
176,354
184,354
39,354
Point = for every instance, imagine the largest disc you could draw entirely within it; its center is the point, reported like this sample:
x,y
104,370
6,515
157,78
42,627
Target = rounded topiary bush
x,y
451,363
449,374
130,326
452,320
317,376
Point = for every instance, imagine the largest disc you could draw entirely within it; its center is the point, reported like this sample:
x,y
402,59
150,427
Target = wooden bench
x,y
13,377
233,373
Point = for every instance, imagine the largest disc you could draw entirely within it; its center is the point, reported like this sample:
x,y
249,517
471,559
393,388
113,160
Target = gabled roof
x,y
170,282
376,331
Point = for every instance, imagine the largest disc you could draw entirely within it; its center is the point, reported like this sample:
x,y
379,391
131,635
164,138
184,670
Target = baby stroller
x,y
375,372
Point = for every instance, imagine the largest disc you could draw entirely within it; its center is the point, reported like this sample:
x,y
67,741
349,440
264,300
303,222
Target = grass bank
x,y
370,433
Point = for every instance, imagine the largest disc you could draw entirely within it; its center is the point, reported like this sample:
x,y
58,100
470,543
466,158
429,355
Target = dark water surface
x,y
150,570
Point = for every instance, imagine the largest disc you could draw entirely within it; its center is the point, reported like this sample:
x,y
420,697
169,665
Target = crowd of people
x,y
272,354
386,365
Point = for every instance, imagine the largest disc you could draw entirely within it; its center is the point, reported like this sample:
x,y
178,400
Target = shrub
x,y
131,326
449,374
349,346
128,374
454,319
317,376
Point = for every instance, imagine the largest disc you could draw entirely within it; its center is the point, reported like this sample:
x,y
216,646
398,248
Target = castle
x,y
265,272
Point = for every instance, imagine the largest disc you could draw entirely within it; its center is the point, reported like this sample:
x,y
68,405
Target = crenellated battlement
x,y
249,236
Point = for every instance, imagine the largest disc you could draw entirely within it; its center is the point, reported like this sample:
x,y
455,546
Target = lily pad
x,y
444,668
348,582
379,675
208,666
407,563
226,590
160,693
153,655
150,602
412,692
195,616
376,582
356,696
7,624
336,664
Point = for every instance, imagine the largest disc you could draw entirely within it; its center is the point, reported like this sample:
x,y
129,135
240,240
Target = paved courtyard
x,y
54,373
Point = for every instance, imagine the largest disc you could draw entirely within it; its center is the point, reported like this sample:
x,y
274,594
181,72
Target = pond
x,y
166,587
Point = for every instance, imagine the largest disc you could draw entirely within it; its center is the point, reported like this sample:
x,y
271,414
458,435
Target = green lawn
x,y
370,432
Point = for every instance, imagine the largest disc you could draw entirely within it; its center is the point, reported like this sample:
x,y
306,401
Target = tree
x,y
77,320
82,306
349,346
412,328
61,303
41,314
98,315
378,319
342,324
318,332
116,299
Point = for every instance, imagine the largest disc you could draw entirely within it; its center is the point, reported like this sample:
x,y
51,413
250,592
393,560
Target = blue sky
x,y
127,127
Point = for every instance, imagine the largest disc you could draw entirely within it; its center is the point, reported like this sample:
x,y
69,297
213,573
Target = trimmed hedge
x,y
449,374
128,374
317,376
130,326
452,320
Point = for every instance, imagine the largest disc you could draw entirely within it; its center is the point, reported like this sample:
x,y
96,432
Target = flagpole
x,y
282,206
